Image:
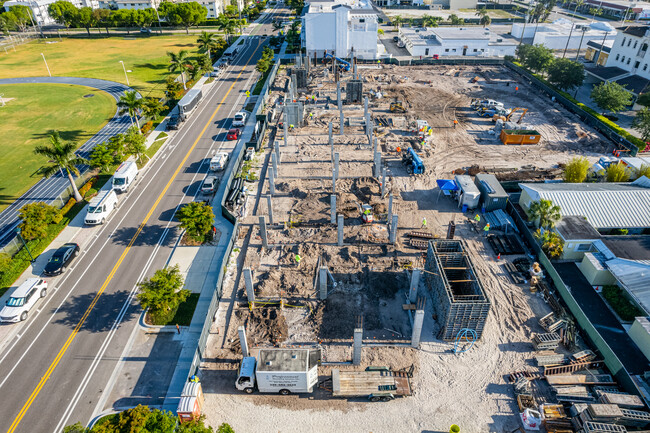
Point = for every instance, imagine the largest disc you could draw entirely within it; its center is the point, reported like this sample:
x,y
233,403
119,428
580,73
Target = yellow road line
x,y
72,336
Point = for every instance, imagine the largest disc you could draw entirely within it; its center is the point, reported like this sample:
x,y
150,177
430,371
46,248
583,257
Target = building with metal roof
x,y
606,206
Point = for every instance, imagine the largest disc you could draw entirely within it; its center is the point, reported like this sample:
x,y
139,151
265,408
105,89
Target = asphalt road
x,y
48,190
54,370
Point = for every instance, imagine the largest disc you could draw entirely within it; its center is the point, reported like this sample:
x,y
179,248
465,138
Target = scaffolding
x,y
458,296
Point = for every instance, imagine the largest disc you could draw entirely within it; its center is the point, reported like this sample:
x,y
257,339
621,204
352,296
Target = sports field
x,y
26,119
145,57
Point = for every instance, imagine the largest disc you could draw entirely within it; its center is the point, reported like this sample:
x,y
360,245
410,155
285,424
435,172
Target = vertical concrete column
x,y
354,72
285,125
365,106
377,165
339,232
336,165
390,207
358,343
415,282
417,328
274,162
338,93
242,340
375,145
392,237
294,86
271,181
248,282
277,151
342,121
269,206
322,283
333,182
383,181
333,208
265,240
330,139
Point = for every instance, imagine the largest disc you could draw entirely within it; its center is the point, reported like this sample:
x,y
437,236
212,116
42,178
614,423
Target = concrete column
x,y
274,162
271,181
338,93
333,182
285,125
365,106
390,208
269,206
330,127
417,328
242,340
294,85
383,181
415,282
342,121
358,343
393,230
336,165
248,282
277,151
333,208
354,66
377,165
340,230
265,240
322,283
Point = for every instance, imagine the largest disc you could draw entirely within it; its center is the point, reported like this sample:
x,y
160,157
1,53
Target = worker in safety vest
x,y
290,127
455,123
486,229
477,218
424,223
313,99
298,259
311,116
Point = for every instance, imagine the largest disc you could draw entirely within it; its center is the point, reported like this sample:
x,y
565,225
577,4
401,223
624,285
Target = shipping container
x,y
493,196
520,136
467,195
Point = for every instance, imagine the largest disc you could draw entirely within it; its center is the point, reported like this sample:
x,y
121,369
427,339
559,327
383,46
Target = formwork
x,y
458,296
353,92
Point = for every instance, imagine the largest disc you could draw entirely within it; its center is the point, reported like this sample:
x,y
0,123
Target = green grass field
x,y
100,58
26,120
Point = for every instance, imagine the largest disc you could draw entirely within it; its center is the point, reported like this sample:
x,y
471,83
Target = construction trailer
x,y
458,296
493,196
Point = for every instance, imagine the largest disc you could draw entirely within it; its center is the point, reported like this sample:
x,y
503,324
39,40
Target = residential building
x,y
555,35
341,27
39,8
617,9
214,7
456,41
129,4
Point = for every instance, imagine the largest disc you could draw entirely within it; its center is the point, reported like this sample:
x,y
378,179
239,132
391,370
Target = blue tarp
x,y
447,185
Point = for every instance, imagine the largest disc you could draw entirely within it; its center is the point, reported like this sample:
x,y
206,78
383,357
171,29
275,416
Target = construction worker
x,y
298,259
486,229
194,378
455,123
313,99
424,223
311,115
477,218
291,127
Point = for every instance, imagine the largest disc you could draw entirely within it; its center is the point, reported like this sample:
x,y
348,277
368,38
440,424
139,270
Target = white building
x,y
341,27
39,8
556,34
214,7
456,41
129,4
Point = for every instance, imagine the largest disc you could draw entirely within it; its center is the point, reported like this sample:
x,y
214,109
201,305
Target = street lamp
x,y
568,39
48,68
125,75
159,25
25,244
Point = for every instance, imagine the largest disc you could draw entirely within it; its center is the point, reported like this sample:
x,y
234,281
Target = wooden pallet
x,y
505,244
570,368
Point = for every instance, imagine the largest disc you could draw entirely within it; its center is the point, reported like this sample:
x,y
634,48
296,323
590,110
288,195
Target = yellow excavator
x,y
507,118
397,106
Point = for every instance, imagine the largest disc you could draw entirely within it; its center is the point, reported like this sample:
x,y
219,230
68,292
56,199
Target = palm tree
x,y
63,157
429,21
397,20
179,62
227,25
544,213
481,12
485,20
207,43
130,104
151,107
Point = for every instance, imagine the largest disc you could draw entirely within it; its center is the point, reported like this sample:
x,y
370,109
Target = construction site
x,y
352,245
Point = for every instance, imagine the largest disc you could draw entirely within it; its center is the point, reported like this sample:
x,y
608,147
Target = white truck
x,y
240,119
219,161
101,206
187,104
282,371
125,175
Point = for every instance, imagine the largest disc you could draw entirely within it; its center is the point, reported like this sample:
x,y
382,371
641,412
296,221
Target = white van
x,y
101,206
23,299
126,173
219,161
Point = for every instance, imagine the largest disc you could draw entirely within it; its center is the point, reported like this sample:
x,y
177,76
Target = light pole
x,y
584,30
601,48
125,75
25,244
48,68
568,39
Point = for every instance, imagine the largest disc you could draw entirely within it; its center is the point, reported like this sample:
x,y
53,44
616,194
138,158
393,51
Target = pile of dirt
x,y
264,326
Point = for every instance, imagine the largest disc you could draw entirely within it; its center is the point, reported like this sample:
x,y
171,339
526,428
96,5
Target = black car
x,y
395,39
61,259
174,122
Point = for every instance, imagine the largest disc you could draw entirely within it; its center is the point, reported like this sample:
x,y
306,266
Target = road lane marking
x,y
72,336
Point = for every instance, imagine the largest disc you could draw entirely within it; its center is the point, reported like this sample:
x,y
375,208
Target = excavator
x,y
397,106
507,118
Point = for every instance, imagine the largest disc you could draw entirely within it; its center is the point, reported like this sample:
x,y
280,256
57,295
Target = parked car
x,y
219,161
209,185
240,119
145,31
395,38
23,299
174,122
61,259
217,71
100,207
233,134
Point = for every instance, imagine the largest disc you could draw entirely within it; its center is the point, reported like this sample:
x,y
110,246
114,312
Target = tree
x,y
85,19
76,428
566,74
522,52
455,21
396,21
226,25
140,419
35,217
537,58
207,43
544,213
617,173
485,20
644,99
103,18
151,107
63,157
198,426
204,63
173,89
265,62
641,123
134,143
225,428
5,263
63,12
643,171
124,18
576,170
611,96
102,157
130,104
429,21
552,243
196,218
18,17
164,291
191,14
179,62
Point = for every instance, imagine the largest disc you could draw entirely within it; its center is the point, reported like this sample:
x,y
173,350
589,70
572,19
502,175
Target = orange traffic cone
x,y
499,256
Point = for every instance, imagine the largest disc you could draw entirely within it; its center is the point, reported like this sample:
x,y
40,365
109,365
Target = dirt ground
x,y
369,275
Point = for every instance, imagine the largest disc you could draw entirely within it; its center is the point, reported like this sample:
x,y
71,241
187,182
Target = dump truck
x,y
375,383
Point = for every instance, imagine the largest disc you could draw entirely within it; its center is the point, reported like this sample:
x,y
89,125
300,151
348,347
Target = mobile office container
x,y
189,102
493,196
467,194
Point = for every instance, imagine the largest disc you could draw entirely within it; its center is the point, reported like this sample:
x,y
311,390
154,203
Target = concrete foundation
x,y
333,208
322,283
339,235
265,240
269,208
392,236
248,283
242,341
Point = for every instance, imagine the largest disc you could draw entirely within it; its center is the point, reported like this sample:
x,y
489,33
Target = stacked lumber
x,y
607,413
572,367
634,418
628,401
581,379
548,357
584,356
549,341
574,393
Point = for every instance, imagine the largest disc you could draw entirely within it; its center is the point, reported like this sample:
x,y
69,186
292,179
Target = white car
x,y
219,161
209,185
22,300
239,120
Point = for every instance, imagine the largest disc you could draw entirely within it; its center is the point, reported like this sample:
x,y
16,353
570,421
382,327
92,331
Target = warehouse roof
x,y
634,276
605,205
576,228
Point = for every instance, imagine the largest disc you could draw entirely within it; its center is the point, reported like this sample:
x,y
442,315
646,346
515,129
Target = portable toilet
x,y
468,194
188,409
194,389
493,196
